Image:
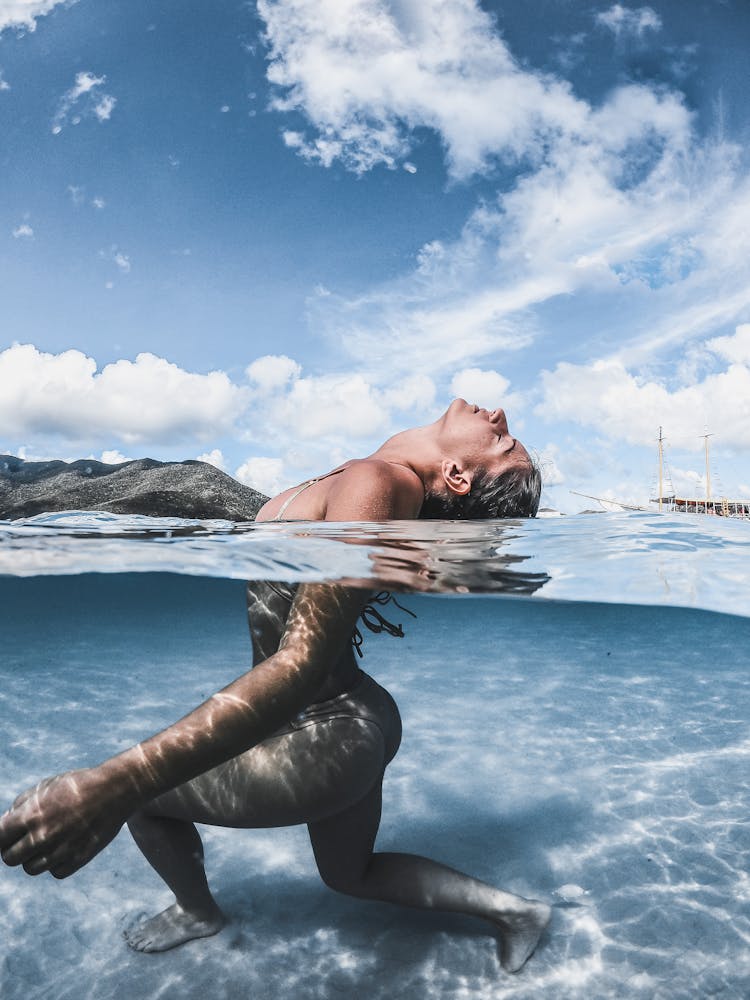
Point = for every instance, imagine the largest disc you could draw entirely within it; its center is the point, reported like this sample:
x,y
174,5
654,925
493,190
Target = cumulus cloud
x,y
735,348
215,458
316,421
484,387
53,400
22,14
630,407
84,98
23,232
627,21
331,408
146,400
112,456
273,372
264,474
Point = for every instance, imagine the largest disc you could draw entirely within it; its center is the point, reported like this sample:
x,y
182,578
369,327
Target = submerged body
x,y
304,737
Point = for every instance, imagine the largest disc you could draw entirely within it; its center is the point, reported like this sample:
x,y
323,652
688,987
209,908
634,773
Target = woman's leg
x,y
299,777
343,847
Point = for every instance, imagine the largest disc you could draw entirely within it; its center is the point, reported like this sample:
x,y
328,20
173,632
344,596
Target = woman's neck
x,y
416,449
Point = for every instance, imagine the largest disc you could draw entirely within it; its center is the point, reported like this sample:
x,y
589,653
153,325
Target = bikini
x,y
300,489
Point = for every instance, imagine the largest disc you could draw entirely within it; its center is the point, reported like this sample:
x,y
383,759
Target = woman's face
x,y
481,438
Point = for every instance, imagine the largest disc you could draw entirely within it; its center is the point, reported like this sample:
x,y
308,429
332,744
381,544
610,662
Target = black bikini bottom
x,y
366,701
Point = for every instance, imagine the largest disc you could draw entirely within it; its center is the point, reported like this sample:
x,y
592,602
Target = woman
x,y
305,736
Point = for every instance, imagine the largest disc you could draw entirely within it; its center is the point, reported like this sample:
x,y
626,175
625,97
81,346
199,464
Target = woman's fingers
x,y
36,865
60,862
21,850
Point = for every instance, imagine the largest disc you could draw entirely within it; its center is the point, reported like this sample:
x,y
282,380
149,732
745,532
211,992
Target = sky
x,y
270,234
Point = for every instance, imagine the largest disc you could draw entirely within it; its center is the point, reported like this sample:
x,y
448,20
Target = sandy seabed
x,y
594,756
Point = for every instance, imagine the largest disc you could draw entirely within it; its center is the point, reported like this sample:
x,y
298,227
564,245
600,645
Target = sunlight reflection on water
x,y
631,558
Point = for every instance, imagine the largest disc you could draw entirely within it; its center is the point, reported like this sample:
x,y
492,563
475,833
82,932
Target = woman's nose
x,y
498,417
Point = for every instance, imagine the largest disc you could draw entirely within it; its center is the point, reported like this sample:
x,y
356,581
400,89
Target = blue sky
x,y
272,233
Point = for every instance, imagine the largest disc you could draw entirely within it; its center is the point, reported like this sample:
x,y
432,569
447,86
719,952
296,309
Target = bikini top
x,y
300,489
370,616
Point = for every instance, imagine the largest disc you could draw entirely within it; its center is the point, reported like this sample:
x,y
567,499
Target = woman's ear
x,y
455,477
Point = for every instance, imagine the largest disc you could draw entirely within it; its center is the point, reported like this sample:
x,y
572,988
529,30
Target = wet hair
x,y
514,493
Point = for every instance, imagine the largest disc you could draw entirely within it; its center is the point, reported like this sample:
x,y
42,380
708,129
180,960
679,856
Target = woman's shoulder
x,y
374,489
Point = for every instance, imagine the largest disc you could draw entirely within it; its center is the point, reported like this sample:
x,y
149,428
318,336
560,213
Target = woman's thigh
x,y
299,777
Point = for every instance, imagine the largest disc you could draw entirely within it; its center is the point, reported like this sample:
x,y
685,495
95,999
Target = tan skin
x,y
222,762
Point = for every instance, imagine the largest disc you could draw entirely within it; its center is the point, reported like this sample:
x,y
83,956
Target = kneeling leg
x,y
295,778
343,848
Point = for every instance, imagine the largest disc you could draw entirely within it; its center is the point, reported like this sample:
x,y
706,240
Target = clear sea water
x,y
576,704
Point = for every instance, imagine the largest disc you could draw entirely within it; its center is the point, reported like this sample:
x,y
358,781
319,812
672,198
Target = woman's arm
x,y
66,820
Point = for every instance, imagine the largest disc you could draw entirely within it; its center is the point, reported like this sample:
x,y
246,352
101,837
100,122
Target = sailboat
x,y
717,506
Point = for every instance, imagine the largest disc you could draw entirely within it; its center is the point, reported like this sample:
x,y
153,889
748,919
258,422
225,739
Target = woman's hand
x,y
62,823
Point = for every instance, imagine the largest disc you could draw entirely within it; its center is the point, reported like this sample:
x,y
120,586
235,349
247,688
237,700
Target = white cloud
x,y
4,85
365,72
215,458
620,198
23,13
146,400
621,204
86,88
273,371
627,407
98,203
118,258
308,418
548,458
484,387
626,21
104,107
23,231
264,474
113,457
325,405
735,348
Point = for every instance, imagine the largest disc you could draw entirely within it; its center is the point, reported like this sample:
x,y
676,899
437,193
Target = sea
x,y
575,694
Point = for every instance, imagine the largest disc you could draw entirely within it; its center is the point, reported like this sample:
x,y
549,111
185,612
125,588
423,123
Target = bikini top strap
x,y
301,489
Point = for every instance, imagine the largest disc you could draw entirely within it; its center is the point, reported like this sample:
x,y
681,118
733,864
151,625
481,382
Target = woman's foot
x,y
520,932
172,927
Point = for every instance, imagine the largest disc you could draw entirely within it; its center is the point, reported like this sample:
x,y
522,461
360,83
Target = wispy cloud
x,y
4,85
621,202
629,21
84,98
23,232
365,74
118,258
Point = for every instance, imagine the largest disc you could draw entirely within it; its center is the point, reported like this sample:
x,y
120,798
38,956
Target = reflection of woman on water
x,y
305,736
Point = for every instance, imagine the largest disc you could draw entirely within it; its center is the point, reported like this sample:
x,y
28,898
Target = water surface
x,y
593,754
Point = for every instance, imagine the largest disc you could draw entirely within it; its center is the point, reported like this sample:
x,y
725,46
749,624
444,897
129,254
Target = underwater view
x,y
576,707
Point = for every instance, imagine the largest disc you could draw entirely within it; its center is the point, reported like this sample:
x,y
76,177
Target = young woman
x,y
305,736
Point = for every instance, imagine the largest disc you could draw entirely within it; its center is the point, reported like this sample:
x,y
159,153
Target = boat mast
x,y
661,468
706,436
